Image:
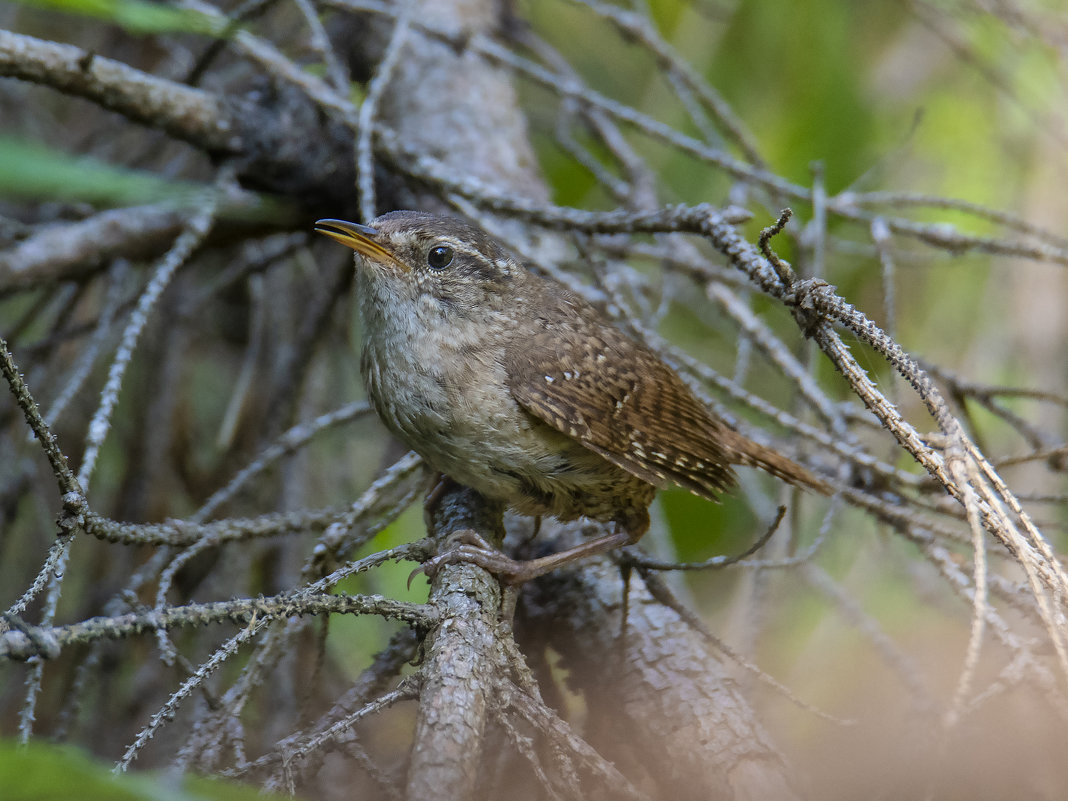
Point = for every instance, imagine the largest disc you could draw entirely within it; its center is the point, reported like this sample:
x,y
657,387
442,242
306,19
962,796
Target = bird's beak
x,y
360,238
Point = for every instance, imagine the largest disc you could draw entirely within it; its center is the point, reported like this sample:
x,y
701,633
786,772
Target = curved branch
x,y
193,115
20,644
279,141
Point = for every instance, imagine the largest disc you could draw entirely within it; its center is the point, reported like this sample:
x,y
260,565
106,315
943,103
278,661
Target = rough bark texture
x,y
663,703
461,655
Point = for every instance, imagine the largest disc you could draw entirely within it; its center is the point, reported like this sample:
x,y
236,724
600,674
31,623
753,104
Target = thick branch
x,y
463,653
192,115
664,701
67,250
278,137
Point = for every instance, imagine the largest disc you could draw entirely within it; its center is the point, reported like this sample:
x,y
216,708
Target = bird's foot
x,y
473,549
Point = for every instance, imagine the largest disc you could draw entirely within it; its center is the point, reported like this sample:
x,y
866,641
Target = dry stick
x,y
967,476
1038,677
65,250
69,488
659,589
75,507
169,709
1042,454
907,199
197,229
167,712
365,121
85,362
335,542
1034,436
759,334
1041,573
929,536
1046,571
899,662
633,556
637,27
620,190
50,640
321,43
806,556
372,682
276,63
463,656
180,532
192,115
524,744
880,235
291,440
560,732
635,191
405,691
244,385
817,297
637,558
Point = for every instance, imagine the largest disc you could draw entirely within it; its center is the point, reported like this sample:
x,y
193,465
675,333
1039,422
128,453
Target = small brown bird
x,y
516,387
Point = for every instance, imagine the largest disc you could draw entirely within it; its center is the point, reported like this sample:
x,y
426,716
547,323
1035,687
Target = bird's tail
x,y
752,454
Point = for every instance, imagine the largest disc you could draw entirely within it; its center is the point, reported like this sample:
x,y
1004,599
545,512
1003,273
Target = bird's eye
x,y
439,257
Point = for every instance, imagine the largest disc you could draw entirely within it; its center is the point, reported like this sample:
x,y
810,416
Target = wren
x,y
512,385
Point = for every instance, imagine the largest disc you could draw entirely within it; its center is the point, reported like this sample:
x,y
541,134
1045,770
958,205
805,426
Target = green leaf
x,y
34,172
29,171
140,17
41,772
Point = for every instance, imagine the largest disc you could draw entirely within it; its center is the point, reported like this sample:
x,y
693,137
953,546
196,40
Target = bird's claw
x,y
472,548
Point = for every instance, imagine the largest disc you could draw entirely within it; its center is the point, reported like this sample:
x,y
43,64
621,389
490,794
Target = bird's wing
x,y
593,383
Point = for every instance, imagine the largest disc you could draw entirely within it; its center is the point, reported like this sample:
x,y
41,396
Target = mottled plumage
x,y
514,386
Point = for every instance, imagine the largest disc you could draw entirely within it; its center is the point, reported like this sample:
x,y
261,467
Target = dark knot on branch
x,y
804,299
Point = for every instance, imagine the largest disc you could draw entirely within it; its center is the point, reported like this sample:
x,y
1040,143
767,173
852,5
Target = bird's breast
x,y
450,402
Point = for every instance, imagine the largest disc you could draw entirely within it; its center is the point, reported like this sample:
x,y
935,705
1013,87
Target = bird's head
x,y
433,262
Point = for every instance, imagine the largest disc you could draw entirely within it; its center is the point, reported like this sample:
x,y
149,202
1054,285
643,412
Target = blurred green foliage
x,y
139,17
40,772
34,172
